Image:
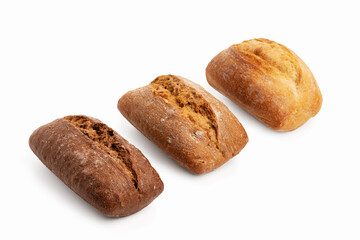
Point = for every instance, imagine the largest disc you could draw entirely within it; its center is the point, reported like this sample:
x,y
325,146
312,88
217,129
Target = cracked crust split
x,y
104,138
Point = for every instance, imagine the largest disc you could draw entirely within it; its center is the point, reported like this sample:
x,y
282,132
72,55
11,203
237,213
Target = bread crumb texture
x,y
105,139
189,103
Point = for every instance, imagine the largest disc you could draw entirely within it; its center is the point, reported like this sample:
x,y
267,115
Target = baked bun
x,y
189,124
269,81
97,164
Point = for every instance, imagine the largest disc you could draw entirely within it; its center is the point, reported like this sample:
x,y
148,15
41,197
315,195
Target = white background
x,y
79,57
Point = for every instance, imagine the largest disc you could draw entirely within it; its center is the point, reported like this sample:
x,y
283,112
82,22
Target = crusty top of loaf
x,y
279,59
104,138
190,103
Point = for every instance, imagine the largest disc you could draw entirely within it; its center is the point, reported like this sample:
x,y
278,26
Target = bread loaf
x,y
269,81
98,164
186,122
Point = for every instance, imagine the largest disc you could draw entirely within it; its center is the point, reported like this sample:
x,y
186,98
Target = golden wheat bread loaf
x,y
269,81
194,128
98,164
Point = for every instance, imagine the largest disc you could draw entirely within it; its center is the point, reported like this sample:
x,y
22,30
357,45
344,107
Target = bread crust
x,y
182,139
269,81
91,172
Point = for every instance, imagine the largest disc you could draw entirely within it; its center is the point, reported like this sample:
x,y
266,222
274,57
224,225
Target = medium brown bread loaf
x,y
98,164
269,81
186,122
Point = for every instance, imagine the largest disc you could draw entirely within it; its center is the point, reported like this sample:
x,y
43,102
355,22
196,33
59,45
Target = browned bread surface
x,y
186,122
269,81
98,164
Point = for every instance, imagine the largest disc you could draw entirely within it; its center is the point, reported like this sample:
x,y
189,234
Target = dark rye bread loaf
x,y
185,121
98,164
